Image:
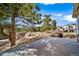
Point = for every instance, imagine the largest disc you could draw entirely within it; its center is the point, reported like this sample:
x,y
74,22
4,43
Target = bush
x,y
60,35
70,36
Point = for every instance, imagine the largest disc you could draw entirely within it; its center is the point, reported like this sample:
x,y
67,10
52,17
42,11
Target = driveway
x,y
49,46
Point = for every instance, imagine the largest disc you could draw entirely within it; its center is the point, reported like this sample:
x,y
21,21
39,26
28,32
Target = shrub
x,y
70,36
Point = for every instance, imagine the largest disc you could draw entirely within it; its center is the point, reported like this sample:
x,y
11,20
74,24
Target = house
x,y
60,28
69,28
65,28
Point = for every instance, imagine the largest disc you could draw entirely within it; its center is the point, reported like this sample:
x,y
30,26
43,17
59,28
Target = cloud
x,y
56,14
48,3
59,14
69,18
53,18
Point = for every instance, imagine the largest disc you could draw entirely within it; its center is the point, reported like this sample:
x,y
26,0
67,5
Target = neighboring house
x,y
60,28
69,28
65,28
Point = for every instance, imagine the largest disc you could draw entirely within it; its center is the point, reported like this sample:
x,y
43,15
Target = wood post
x,y
78,28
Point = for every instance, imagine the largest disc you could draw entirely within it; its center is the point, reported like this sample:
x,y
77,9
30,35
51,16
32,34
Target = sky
x,y
61,12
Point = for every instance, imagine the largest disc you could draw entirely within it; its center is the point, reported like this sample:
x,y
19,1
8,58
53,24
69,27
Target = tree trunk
x,y
13,31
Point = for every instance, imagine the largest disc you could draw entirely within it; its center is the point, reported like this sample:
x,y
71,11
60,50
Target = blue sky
x,y
61,12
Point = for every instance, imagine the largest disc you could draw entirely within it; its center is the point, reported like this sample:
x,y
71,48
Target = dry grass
x,y
69,35
65,35
23,40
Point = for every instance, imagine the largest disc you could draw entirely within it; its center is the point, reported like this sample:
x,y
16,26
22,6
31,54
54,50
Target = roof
x,y
76,10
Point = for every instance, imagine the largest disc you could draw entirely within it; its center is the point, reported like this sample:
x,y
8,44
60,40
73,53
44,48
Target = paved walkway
x,y
49,46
